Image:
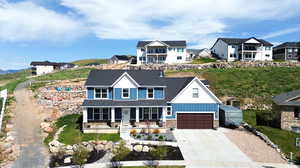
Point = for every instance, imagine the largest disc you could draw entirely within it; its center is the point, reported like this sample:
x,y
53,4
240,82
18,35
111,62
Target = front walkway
x,y
33,153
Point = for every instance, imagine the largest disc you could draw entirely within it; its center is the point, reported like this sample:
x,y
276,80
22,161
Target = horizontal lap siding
x,y
158,93
90,93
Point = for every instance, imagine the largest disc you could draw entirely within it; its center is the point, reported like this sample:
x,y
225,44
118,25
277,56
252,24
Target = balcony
x,y
156,51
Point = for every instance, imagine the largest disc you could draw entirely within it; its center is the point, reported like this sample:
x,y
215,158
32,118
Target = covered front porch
x,y
111,119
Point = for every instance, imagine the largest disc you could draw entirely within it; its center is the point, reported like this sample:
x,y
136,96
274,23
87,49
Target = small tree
x,y
120,152
80,156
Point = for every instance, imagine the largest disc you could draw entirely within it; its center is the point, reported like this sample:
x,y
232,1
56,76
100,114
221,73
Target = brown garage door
x,y
194,121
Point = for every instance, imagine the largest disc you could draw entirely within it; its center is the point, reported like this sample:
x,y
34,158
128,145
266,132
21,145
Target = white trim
x,y
125,73
148,94
156,41
128,93
100,98
203,86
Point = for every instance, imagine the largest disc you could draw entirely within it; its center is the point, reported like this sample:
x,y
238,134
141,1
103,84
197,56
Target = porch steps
x,y
125,132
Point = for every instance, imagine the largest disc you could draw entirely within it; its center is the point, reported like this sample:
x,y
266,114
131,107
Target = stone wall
x,y
287,118
219,64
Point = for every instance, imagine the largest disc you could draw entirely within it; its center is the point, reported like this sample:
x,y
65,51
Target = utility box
x,y
230,116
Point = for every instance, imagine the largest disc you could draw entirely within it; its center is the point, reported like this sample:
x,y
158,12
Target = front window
x,y
290,50
101,93
296,50
169,111
146,113
297,113
179,58
195,92
154,115
125,92
150,93
98,113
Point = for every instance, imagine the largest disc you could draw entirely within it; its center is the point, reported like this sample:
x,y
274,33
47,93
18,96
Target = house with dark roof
x,y
39,68
160,52
120,100
287,109
198,53
122,59
243,49
287,51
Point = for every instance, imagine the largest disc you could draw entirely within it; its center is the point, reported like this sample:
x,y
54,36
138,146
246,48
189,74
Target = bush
x,y
156,131
133,132
149,137
80,156
121,151
161,138
159,153
138,136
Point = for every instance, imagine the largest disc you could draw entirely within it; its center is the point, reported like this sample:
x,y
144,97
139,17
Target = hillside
x,y
90,62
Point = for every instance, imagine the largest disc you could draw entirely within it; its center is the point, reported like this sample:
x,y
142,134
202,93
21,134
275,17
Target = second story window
x,y
195,92
150,93
101,93
268,48
125,92
180,49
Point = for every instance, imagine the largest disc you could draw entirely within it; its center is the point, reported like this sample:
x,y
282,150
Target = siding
x,y
206,107
158,93
90,93
118,94
142,93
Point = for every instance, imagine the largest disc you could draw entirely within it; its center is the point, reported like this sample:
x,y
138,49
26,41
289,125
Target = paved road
x,y
27,119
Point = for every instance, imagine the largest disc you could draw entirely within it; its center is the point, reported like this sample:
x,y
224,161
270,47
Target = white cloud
x,y
282,32
194,20
26,21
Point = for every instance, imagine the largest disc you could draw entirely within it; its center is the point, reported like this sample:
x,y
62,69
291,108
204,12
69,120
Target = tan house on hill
x,y
287,108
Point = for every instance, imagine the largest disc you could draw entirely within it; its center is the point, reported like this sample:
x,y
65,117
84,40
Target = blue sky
x,y
67,30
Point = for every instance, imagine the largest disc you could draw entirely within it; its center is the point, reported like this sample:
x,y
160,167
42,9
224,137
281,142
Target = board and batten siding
x,y
118,94
195,107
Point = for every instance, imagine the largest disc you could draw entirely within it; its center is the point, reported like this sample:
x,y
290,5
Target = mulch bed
x,y
59,161
173,153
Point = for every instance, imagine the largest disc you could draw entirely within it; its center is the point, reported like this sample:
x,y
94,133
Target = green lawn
x,y
14,79
203,60
72,133
66,74
90,61
286,140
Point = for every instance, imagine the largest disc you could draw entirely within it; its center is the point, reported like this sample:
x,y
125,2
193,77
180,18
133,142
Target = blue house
x,y
145,98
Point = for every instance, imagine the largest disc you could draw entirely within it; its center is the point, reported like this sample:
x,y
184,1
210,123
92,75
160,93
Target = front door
x,y
125,115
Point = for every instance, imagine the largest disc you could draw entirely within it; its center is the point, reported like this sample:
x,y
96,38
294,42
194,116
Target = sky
x,y
68,30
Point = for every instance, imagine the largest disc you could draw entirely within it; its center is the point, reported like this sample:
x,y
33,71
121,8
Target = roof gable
x,y
157,43
239,41
289,98
178,43
126,81
252,40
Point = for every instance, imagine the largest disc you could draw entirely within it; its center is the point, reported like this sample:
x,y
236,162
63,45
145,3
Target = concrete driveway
x,y
211,149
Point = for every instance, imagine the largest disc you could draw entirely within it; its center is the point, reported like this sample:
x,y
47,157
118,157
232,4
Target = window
x,y
297,112
142,49
125,92
268,48
195,92
98,114
179,57
180,49
267,55
169,111
296,129
150,93
142,58
290,50
296,50
232,55
101,93
146,113
154,114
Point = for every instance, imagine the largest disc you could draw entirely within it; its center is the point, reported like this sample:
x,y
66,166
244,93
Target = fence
x,y
3,94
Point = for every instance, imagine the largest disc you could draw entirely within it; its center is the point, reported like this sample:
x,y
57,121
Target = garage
x,y
194,121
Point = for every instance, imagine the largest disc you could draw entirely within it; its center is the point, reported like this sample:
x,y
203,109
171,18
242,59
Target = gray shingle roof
x,y
34,63
288,44
175,85
286,99
108,103
179,43
142,77
237,41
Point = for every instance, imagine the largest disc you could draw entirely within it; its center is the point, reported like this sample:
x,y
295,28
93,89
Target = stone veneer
x,y
286,117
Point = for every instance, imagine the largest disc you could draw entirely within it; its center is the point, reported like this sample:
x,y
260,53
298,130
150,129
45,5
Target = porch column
x,y
252,56
164,113
137,113
85,115
112,115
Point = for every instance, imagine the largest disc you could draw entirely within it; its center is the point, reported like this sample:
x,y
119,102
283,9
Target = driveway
x,y
211,149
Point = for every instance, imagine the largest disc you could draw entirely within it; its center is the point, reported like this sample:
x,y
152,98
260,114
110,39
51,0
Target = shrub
x,y
80,156
138,136
161,138
133,132
149,137
121,151
156,131
159,153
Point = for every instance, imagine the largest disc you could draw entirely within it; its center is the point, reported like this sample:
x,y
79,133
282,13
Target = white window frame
x,y
128,92
100,113
148,93
170,111
107,93
194,93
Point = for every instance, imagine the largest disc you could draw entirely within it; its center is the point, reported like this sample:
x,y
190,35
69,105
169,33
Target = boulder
x,y
109,145
138,148
54,149
100,147
69,147
5,145
69,152
90,147
48,119
48,129
55,143
145,149
45,124
67,160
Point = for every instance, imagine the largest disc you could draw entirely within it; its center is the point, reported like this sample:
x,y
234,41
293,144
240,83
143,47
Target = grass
x,y
90,61
65,75
203,60
35,86
72,133
17,75
285,140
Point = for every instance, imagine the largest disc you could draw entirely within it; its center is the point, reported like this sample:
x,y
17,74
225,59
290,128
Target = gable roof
x,y
286,99
288,44
142,77
170,43
122,57
47,63
237,41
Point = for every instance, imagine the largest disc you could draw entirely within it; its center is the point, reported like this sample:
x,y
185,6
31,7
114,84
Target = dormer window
x,y
195,93
125,92
101,93
150,93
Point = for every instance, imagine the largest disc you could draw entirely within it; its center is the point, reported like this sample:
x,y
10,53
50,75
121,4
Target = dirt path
x,y
28,116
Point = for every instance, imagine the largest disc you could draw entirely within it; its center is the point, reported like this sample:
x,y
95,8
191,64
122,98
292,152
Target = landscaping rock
x,y
69,147
109,145
90,147
138,148
99,147
69,152
67,160
145,149
45,124
48,129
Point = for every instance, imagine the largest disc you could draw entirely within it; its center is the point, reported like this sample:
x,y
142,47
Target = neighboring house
x,y
198,53
160,52
39,68
141,98
244,49
121,59
287,109
287,51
